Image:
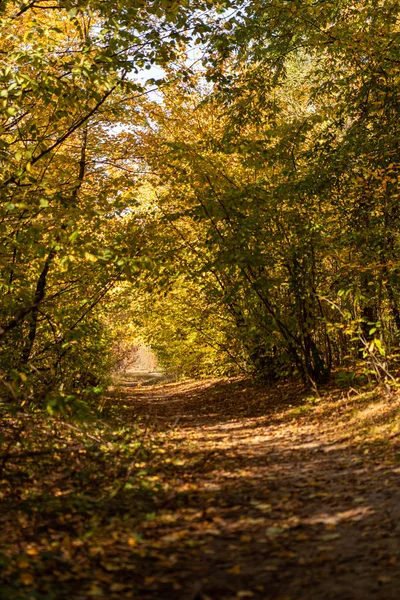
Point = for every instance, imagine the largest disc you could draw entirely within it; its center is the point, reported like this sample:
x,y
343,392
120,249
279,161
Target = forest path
x,y
211,490
271,493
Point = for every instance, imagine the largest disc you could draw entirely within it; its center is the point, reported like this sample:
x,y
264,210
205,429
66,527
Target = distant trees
x,y
68,93
280,182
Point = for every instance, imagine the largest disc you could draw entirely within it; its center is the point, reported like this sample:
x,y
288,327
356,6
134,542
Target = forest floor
x,y
215,489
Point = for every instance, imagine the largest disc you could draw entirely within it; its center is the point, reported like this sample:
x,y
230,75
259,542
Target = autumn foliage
x,y
217,181
239,207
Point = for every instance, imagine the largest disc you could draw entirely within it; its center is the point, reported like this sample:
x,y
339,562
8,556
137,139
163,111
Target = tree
x,y
284,171
259,193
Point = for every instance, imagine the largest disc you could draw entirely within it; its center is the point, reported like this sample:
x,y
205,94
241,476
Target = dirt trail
x,y
272,494
215,490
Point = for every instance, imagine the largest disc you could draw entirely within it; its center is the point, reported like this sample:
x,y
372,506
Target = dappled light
x,y
214,489
199,299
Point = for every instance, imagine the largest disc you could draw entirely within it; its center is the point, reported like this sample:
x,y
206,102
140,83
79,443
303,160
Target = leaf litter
x,y
253,492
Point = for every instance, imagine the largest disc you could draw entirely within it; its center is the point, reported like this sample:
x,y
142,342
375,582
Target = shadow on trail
x,y
204,403
228,491
268,499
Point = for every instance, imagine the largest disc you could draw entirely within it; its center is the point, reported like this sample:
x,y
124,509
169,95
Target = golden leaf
x,y
26,578
235,570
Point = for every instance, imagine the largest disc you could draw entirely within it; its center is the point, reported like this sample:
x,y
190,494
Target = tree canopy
x,y
239,209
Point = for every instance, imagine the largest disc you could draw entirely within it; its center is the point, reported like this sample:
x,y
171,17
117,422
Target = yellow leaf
x,y
90,257
234,570
132,541
264,507
118,587
26,578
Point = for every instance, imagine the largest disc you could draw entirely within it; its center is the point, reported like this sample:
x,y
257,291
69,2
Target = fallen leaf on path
x,y
235,570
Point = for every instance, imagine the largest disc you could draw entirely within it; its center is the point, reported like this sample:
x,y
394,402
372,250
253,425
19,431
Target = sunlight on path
x,y
267,497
